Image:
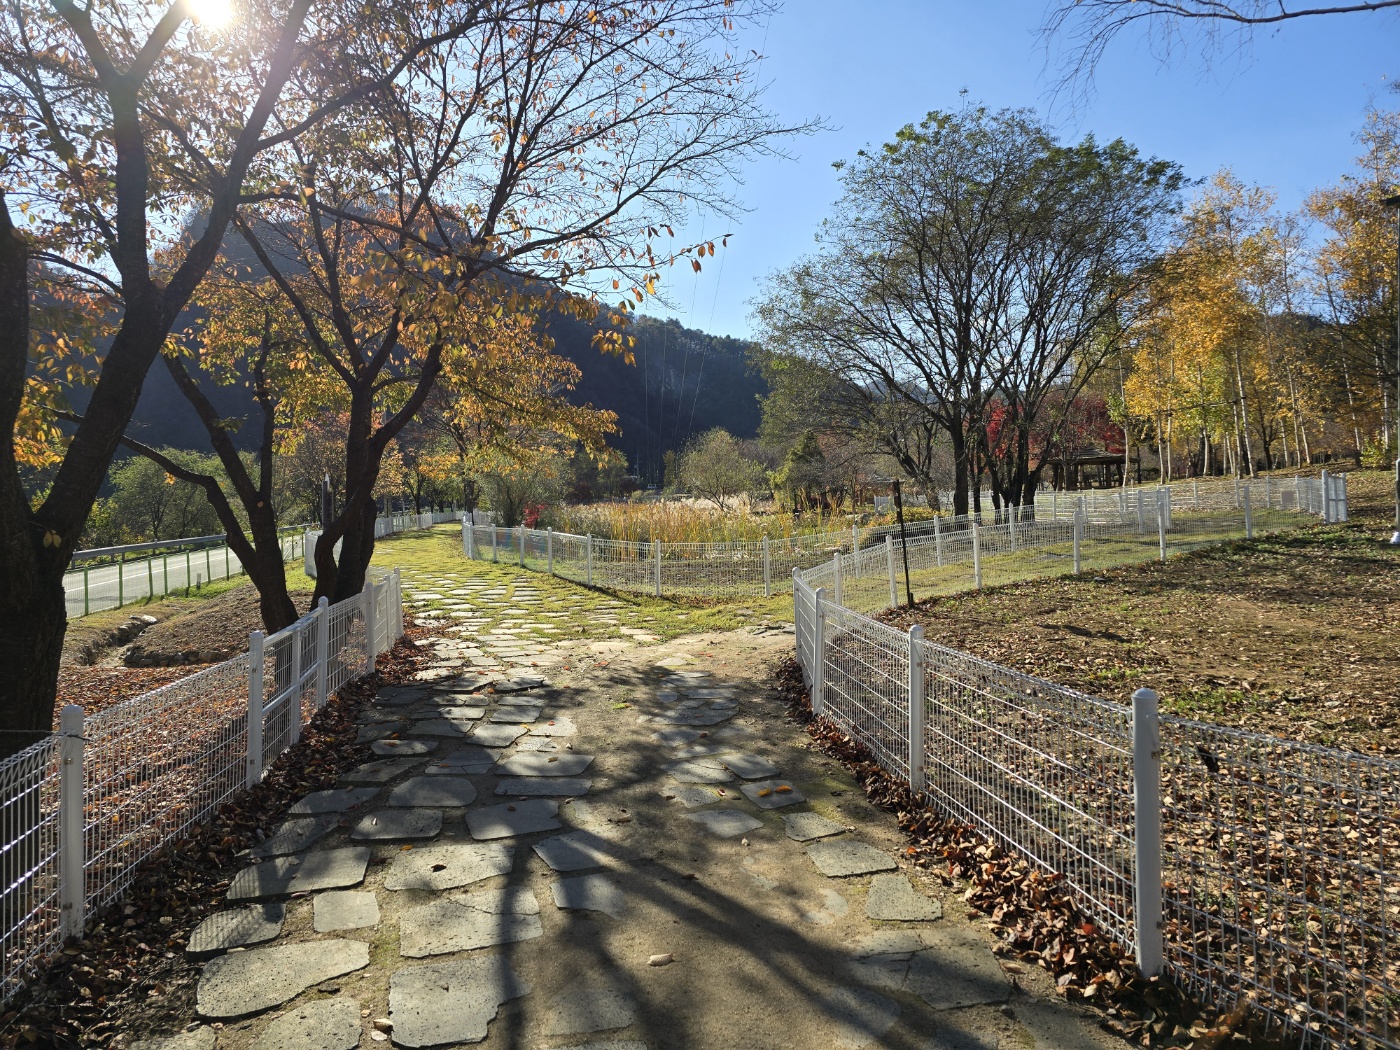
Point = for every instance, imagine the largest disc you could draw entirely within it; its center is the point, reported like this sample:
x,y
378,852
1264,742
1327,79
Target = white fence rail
x,y
83,809
944,554
1246,865
114,577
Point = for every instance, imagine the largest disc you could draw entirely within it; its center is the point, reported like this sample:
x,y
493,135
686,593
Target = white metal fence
x,y
945,554
83,809
113,577
1247,865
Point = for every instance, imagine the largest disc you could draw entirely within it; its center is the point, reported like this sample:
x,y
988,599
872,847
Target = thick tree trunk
x,y
32,608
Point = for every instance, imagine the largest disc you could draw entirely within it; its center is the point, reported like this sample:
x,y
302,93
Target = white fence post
x,y
767,570
1078,533
521,536
917,780
72,889
1268,493
855,538
495,555
549,549
367,599
1141,516
255,708
889,565
1342,512
1011,524
976,556
1326,498
1161,529
1147,843
323,650
589,546
938,542
469,539
1054,504
294,701
836,579
1248,516
819,651
656,552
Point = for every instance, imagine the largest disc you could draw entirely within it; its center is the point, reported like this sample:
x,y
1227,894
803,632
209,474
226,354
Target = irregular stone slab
x,y
516,714
447,792
335,800
378,731
378,772
858,1017
839,858
538,744
693,717
733,733
589,893
450,1002
700,750
772,794
403,747
893,899
519,701
556,727
698,772
448,866
804,827
199,1039
575,851
544,786
243,983
331,1024
294,836
496,735
948,970
579,1011
345,910
675,737
464,921
388,824
237,928
331,869
834,907
750,767
444,727
453,712
511,819
691,795
544,765
396,695
725,823
467,761
709,692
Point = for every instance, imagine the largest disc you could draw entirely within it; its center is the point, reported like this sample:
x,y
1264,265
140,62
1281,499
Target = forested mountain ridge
x,y
684,382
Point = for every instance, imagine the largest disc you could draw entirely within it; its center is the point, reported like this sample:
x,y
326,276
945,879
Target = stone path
x,y
643,858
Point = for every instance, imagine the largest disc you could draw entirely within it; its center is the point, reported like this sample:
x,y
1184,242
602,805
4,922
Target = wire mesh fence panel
x,y
348,644
1043,770
866,678
1281,880
30,929
158,764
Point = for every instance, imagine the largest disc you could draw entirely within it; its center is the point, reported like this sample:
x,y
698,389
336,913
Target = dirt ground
x,y
1295,634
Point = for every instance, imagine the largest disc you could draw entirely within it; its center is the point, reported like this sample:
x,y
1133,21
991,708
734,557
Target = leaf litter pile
x,y
1033,917
130,970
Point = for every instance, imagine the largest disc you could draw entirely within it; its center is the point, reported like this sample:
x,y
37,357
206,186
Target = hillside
x,y
684,382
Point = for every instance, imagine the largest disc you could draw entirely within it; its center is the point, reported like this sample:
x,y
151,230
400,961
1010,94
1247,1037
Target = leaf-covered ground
x,y
1294,634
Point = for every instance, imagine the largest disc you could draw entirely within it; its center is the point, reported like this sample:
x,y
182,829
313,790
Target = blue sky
x,y
1282,115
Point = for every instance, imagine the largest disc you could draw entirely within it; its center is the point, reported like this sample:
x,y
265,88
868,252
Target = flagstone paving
x,y
656,903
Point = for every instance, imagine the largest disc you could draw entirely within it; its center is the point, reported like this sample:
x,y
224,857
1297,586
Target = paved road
x,y
114,585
